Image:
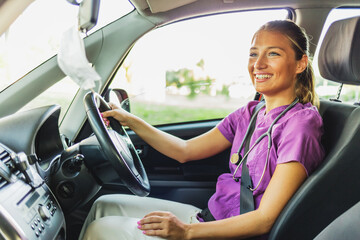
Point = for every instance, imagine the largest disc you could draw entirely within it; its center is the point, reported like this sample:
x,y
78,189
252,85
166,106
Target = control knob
x,y
44,213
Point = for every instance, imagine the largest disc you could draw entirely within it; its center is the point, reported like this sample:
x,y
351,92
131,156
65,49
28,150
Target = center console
x,y
28,209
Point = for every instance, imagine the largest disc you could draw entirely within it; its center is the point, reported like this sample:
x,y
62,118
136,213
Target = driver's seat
x,y
334,187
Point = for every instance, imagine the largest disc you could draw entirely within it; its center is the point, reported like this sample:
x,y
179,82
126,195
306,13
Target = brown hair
x,y
305,84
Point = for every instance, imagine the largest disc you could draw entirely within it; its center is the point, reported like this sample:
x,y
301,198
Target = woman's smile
x,y
262,77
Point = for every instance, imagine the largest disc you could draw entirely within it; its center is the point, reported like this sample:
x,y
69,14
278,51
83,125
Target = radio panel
x,y
28,210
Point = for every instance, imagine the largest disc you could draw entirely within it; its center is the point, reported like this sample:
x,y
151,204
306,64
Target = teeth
x,y
262,76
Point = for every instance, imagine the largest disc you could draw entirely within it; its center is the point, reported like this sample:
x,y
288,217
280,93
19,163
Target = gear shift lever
x,y
22,163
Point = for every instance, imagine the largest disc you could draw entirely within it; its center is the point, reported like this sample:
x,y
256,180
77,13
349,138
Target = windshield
x,y
35,35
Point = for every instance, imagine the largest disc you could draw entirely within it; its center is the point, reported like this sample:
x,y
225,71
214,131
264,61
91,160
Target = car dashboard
x,y
43,179
30,149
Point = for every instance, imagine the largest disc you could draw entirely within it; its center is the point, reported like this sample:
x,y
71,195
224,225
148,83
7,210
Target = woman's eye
x,y
274,54
252,55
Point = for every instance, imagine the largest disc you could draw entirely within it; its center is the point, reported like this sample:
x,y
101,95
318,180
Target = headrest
x,y
339,56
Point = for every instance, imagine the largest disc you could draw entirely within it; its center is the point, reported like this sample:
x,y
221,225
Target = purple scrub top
x,y
296,137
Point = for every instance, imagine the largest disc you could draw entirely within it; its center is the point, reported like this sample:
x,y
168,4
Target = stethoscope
x,y
268,134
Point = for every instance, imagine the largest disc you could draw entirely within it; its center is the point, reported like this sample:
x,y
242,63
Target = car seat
x,y
345,227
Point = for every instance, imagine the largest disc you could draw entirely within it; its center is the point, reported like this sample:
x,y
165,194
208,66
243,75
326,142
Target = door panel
x,y
193,182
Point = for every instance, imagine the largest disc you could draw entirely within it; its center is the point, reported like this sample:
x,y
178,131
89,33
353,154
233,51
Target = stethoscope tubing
x,y
268,134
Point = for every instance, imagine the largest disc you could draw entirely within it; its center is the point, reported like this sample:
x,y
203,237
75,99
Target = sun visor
x,y
339,56
10,10
165,5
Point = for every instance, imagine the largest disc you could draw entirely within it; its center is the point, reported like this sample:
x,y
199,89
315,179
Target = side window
x,y
192,70
328,89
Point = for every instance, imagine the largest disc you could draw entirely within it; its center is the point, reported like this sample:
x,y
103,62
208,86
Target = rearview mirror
x,y
88,13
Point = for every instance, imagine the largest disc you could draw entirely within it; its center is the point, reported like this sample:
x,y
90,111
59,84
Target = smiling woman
x,y
191,59
276,167
272,66
279,59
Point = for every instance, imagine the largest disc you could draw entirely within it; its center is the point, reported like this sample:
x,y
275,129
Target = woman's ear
x,y
302,64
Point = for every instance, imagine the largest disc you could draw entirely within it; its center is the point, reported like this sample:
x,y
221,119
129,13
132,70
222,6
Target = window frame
x,y
290,14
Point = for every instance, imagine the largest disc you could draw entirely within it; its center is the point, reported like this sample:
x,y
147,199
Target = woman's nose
x,y
260,63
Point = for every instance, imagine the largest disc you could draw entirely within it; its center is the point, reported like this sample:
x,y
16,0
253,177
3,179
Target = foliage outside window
x,y
192,70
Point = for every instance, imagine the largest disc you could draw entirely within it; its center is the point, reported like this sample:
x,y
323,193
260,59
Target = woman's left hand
x,y
163,224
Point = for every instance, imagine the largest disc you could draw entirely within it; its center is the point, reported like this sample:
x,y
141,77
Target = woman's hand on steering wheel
x,y
122,116
115,142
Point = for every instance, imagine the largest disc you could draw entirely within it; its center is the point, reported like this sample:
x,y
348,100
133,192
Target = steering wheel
x,y
117,146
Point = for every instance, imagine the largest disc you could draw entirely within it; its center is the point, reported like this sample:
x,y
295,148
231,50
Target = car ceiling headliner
x,y
151,7
162,12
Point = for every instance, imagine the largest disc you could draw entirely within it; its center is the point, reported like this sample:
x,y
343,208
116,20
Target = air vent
x,y
7,168
5,157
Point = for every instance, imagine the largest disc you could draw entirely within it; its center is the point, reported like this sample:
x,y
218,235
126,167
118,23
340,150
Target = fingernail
x,y
144,232
138,222
139,227
101,114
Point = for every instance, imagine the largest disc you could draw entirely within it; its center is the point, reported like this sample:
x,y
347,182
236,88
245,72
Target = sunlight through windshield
x,y
35,35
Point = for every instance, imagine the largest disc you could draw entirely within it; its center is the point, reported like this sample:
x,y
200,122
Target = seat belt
x,y
246,195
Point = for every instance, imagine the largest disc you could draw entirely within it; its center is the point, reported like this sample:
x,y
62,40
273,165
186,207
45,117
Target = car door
x,y
191,182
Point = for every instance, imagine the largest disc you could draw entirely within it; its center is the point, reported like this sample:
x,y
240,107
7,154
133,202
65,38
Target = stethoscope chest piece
x,y
235,159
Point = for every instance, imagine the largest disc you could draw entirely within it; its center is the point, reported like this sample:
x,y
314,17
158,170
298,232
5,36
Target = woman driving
x,y
283,150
